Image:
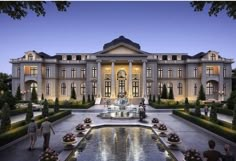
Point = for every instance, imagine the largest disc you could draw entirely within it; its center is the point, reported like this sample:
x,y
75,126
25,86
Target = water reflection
x,y
122,144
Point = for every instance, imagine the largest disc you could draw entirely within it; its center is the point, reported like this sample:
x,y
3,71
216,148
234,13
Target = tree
x,y
18,94
150,98
201,94
19,9
34,95
56,105
197,108
6,120
231,100
29,113
171,94
216,7
9,99
93,98
234,119
164,92
89,98
45,108
4,82
159,99
186,105
42,97
213,113
73,94
154,98
83,100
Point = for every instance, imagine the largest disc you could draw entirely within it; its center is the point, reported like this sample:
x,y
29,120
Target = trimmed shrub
x,y
6,120
34,96
83,101
159,99
186,101
231,100
42,97
171,94
89,98
201,94
164,92
29,113
234,118
213,114
18,94
93,98
154,98
56,105
73,94
150,98
197,109
215,128
45,108
225,111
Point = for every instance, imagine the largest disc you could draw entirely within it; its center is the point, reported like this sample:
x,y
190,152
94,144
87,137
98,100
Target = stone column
x,y
99,92
113,79
144,79
130,78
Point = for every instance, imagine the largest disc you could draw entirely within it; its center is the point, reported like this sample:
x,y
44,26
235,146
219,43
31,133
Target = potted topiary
x,y
162,128
155,121
80,128
192,155
87,122
69,139
173,139
48,155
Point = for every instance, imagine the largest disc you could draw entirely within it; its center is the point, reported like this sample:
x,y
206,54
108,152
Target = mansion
x,y
121,67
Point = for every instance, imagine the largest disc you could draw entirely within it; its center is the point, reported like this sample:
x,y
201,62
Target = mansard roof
x,y
121,39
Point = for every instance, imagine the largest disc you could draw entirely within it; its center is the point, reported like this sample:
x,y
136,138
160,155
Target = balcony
x,y
31,77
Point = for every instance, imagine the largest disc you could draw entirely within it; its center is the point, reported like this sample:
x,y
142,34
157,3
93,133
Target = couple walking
x,y
45,130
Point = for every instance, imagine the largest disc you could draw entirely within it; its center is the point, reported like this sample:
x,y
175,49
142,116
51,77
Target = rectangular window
x,y
33,71
48,89
94,72
73,73
180,73
224,88
195,89
18,72
149,72
82,88
180,89
47,72
169,73
209,70
195,72
224,72
160,73
83,73
160,88
135,88
149,88
107,88
63,73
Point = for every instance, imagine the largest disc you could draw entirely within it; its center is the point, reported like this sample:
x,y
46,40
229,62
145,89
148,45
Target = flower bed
x,y
80,127
69,138
173,138
162,127
155,121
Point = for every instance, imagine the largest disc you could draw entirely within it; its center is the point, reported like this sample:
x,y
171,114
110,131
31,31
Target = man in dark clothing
x,y
228,155
211,154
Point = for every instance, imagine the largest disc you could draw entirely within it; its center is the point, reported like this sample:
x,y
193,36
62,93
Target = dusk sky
x,y
86,26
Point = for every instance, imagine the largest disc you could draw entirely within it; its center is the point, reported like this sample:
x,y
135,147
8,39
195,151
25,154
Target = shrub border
x,y
18,132
215,128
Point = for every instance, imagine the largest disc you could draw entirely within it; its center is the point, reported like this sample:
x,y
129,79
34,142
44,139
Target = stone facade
x,y
122,68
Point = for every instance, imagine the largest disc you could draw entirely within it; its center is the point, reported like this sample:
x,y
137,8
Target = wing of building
x,y
122,68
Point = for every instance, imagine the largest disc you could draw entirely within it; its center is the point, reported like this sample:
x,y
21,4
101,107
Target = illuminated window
x,y
209,88
94,88
47,72
135,88
94,72
149,72
83,73
82,88
30,57
107,88
48,89
195,89
33,85
149,88
63,73
180,73
63,89
169,73
160,88
160,73
73,73
180,88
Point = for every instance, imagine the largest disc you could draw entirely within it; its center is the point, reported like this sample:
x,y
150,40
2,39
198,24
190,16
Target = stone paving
x,y
192,137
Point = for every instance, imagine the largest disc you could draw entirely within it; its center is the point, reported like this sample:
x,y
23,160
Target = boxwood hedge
x,y
19,129
215,128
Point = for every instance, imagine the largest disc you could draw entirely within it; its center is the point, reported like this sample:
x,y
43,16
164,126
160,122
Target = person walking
x,y
46,128
212,154
206,110
32,132
228,155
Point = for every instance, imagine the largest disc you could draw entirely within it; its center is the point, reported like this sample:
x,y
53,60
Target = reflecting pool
x,y
120,144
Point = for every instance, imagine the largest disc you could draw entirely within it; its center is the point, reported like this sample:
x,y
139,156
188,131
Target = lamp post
x,y
221,95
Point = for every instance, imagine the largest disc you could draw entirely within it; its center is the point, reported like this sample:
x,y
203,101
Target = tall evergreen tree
x,y
56,105
18,94
186,105
45,108
89,100
150,98
34,96
154,98
197,108
93,98
231,100
6,120
164,92
213,113
159,99
234,119
201,94
73,94
83,100
42,97
171,94
29,113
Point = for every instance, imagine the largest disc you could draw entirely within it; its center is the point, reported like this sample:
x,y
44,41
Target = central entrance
x,y
121,77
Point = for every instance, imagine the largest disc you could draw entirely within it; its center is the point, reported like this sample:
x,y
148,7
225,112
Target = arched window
x,y
210,88
73,85
33,85
30,57
169,86
48,89
63,89
160,84
180,88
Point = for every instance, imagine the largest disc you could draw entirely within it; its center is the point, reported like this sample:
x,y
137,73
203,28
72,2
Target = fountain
x,y
120,109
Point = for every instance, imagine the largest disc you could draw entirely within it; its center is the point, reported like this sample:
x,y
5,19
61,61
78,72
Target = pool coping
x,y
175,154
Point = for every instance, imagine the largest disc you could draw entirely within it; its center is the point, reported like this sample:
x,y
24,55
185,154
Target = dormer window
x,y
30,57
213,56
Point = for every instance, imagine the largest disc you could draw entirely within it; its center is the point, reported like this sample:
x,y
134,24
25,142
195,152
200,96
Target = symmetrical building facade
x,y
122,68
